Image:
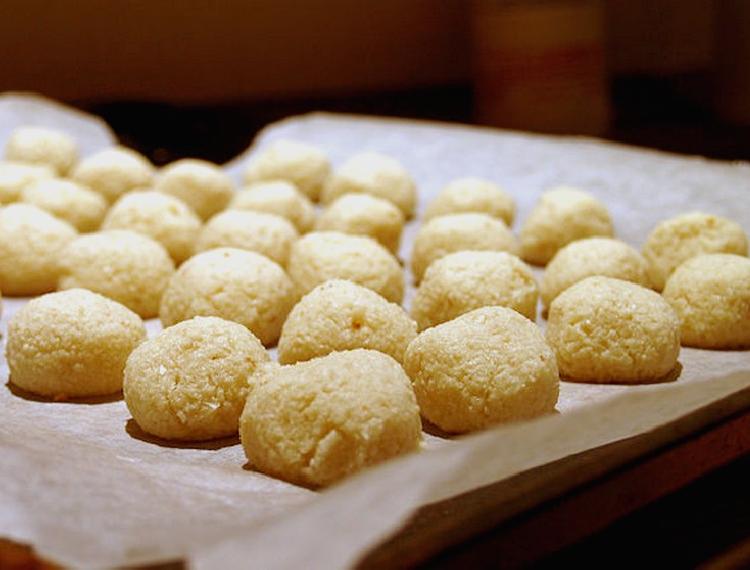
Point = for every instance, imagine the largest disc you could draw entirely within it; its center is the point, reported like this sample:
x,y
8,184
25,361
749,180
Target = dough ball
x,y
678,239
607,330
306,166
488,366
161,217
125,266
458,232
320,256
190,382
31,245
277,197
202,185
362,214
466,195
561,216
466,280
341,315
15,176
113,172
589,257
72,343
375,174
84,209
48,147
316,422
711,295
234,284
268,234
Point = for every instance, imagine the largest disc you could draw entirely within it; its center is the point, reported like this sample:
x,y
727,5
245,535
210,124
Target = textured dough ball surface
x,y
234,284
15,176
125,266
190,382
72,343
711,295
202,185
113,172
84,209
315,422
607,330
489,366
561,216
466,195
48,147
341,315
278,197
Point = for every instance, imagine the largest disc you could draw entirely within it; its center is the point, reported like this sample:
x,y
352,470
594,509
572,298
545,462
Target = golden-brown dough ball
x,y
43,146
81,207
278,197
202,185
113,172
471,194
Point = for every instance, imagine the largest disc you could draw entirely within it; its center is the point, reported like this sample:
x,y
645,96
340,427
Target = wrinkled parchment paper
x,y
87,488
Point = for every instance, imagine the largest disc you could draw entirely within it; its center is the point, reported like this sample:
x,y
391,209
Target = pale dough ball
x,y
84,209
473,195
561,216
306,166
190,382
268,234
489,366
31,246
316,422
72,343
375,174
15,176
466,280
113,172
606,330
362,214
202,185
125,266
458,232
320,256
711,295
48,147
277,197
678,239
589,257
161,217
341,315
234,284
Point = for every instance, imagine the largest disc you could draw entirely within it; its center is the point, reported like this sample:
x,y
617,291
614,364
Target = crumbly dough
x,y
31,245
320,256
711,295
473,195
561,216
71,344
126,266
488,366
38,145
341,315
278,197
315,422
81,207
202,185
190,382
466,280
113,172
15,176
234,284
678,239
606,330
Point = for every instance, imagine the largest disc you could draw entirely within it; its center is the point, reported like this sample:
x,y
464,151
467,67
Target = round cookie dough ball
x,y
606,330
466,280
125,266
48,147
341,315
488,366
31,246
711,295
561,216
458,232
268,234
113,172
316,422
375,174
362,214
161,217
473,195
589,257
15,176
202,185
82,208
277,197
306,166
234,284
320,256
678,239
72,343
